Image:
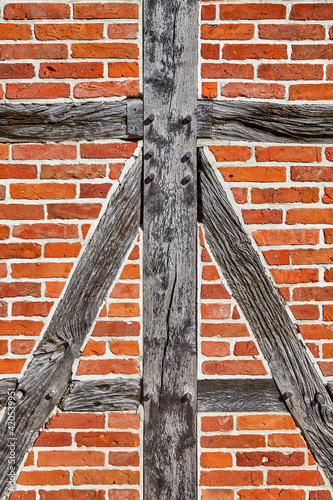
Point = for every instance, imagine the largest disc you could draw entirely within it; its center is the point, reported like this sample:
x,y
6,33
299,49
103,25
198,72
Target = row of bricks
x,y
91,367
238,11
79,494
53,190
80,477
40,270
93,347
245,51
91,50
61,171
101,329
264,493
67,31
246,31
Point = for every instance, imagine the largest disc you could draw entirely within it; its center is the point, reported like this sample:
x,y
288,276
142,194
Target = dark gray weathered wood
x,y
292,369
267,122
49,372
6,387
120,394
63,122
169,249
242,395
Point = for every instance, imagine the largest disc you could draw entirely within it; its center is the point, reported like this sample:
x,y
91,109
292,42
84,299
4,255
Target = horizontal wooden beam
x,y
239,395
267,122
120,394
288,357
48,374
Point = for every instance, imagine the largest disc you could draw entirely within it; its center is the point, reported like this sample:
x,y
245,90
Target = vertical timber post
x,y
169,241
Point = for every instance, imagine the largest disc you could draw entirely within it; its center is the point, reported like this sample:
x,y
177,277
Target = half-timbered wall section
x,y
279,183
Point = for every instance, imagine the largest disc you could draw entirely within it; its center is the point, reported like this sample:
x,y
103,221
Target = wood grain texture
x,y
120,394
291,366
169,249
62,122
7,386
49,372
239,395
267,122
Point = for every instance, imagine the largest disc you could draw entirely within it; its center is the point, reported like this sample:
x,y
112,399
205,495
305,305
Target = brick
x,y
72,495
71,70
36,11
124,347
217,291
313,293
106,477
72,171
227,31
208,12
11,366
107,439
262,216
135,253
285,195
305,173
327,351
3,347
253,174
291,32
20,289
22,346
12,171
320,495
305,311
254,51
224,330
105,50
41,270
225,441
62,250
231,478
124,494
94,348
310,216
280,440
17,212
217,494
21,327
4,234
76,421
10,31
209,90
291,71
94,190
20,250
54,289
2,192
240,194
33,51
247,348
4,151
299,477
295,276
53,477
311,256
123,31
215,349
41,231
125,291
205,257
315,92
328,312
252,11
116,329
44,151
326,368
58,458
215,460
210,51
3,309
328,275
269,459
42,191
130,271
124,420
222,423
262,422
124,310
31,308
312,11
23,495
105,367
3,267
329,154
231,153
215,311
328,196
253,90
288,153
54,439
73,210
226,70
106,11
123,70
69,31
37,90
315,51
232,367
107,89
124,459
271,493
112,150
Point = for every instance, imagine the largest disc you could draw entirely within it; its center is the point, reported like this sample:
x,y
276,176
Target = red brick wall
x,y
52,195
